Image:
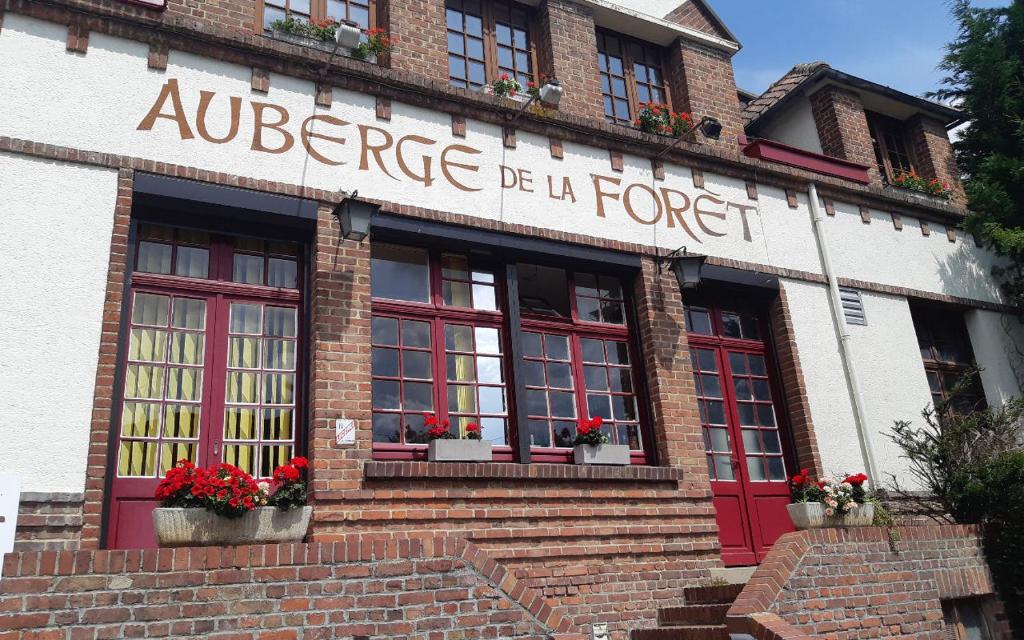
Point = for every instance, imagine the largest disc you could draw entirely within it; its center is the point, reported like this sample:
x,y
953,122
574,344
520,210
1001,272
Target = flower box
x,y
196,527
451,450
811,515
303,41
617,454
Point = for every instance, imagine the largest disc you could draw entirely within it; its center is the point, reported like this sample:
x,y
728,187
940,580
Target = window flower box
x,y
811,515
611,454
442,450
190,527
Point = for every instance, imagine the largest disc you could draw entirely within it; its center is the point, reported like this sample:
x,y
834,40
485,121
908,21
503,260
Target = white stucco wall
x,y
998,343
795,126
57,221
889,370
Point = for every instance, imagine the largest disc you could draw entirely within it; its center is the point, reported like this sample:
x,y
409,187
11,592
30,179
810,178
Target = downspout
x,y
840,325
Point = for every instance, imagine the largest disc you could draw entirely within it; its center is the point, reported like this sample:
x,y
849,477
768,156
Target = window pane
x,y
543,290
192,262
244,353
386,427
150,309
384,331
415,334
189,313
416,364
384,362
154,258
282,273
399,273
247,269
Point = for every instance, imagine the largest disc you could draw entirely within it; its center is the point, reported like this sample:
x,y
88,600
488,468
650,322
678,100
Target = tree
x,y
985,67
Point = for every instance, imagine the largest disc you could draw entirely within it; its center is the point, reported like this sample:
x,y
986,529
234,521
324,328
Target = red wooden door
x,y
210,373
742,433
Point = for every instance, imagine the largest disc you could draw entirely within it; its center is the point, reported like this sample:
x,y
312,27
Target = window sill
x,y
391,469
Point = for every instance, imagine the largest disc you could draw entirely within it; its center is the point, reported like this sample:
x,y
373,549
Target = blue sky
x,y
893,42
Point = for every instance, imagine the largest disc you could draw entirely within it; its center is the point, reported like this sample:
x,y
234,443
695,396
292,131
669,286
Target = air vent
x,y
853,306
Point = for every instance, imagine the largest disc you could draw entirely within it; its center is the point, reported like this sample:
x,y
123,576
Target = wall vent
x,y
853,306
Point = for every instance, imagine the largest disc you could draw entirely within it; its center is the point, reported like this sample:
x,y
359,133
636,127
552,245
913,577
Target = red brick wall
x,y
702,82
934,154
843,127
567,50
48,521
695,16
421,41
856,583
358,587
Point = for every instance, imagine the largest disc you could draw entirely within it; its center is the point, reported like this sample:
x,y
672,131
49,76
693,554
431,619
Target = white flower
x,y
263,486
852,506
830,512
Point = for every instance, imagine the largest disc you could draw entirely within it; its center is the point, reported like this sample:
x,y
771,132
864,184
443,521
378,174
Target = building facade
x,y
178,286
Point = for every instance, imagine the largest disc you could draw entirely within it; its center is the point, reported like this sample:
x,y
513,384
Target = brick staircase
x,y
701,618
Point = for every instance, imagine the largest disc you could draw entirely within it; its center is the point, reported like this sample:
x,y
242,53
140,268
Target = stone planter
x,y
918,195
303,41
370,57
617,454
811,515
177,527
460,451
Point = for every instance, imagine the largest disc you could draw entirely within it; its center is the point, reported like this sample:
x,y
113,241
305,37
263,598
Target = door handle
x,y
216,450
735,461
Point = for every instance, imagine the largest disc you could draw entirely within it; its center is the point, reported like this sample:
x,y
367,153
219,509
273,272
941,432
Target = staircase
x,y
701,618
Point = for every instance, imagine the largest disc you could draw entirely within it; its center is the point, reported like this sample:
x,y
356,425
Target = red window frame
x,y
576,330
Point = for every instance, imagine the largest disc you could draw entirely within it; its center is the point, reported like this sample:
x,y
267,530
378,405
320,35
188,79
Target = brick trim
x,y
383,470
48,521
95,158
233,46
103,401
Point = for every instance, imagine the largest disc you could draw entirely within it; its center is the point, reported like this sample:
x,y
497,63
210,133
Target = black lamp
x,y
710,127
686,267
354,216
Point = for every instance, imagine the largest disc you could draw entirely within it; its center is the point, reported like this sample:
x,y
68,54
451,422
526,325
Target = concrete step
x,y
695,632
723,594
693,614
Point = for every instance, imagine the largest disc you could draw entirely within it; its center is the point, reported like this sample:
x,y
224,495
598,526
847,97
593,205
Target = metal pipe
x,y
838,321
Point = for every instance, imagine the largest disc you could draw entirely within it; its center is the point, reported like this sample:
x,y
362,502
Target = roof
x,y
815,73
698,14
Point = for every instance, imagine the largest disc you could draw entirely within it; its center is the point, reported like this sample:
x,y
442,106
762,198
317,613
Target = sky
x,y
897,43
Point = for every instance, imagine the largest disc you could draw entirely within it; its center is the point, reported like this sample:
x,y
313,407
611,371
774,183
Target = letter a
x,y
169,90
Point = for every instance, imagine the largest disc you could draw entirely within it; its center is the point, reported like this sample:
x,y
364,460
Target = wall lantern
x,y
347,34
710,127
686,267
354,216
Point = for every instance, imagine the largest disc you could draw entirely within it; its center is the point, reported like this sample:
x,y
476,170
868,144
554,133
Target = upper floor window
x,y
965,620
487,39
889,139
362,12
947,355
631,75
441,343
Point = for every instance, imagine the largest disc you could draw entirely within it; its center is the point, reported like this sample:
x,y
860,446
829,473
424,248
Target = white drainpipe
x,y
838,320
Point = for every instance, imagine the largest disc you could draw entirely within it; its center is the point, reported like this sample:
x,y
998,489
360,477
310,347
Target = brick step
x,y
723,594
695,632
693,614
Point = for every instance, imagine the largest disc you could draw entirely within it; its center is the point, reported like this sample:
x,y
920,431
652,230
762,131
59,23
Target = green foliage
x,y
972,462
985,67
288,496
316,29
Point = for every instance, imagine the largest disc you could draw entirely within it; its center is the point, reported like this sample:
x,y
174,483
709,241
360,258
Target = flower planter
x,y
370,58
303,41
617,454
177,527
443,450
811,515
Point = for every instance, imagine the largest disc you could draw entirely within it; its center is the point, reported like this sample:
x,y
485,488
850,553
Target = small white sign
x,y
10,495
345,431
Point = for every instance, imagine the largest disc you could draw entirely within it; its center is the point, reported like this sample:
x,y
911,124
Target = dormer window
x,y
631,75
889,139
487,40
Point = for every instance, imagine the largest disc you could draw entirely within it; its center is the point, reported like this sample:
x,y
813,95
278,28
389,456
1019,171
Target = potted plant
x,y
378,43
445,446
591,445
223,505
828,502
319,34
914,183
659,119
507,87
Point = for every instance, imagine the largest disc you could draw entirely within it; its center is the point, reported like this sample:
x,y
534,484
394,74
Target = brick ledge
x,y
385,470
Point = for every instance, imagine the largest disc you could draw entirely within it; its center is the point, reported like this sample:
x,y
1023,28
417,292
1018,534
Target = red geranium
x,y
473,431
589,432
856,480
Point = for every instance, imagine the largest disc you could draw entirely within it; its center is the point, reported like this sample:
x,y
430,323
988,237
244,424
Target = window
x,y
965,620
947,355
631,75
362,12
487,39
441,341
892,153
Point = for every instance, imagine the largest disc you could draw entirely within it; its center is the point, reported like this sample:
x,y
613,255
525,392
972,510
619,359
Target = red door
x,y
209,370
736,396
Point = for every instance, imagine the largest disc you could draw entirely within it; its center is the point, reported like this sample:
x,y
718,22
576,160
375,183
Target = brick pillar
x,y
795,391
934,154
666,353
421,45
567,50
340,346
843,127
702,81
